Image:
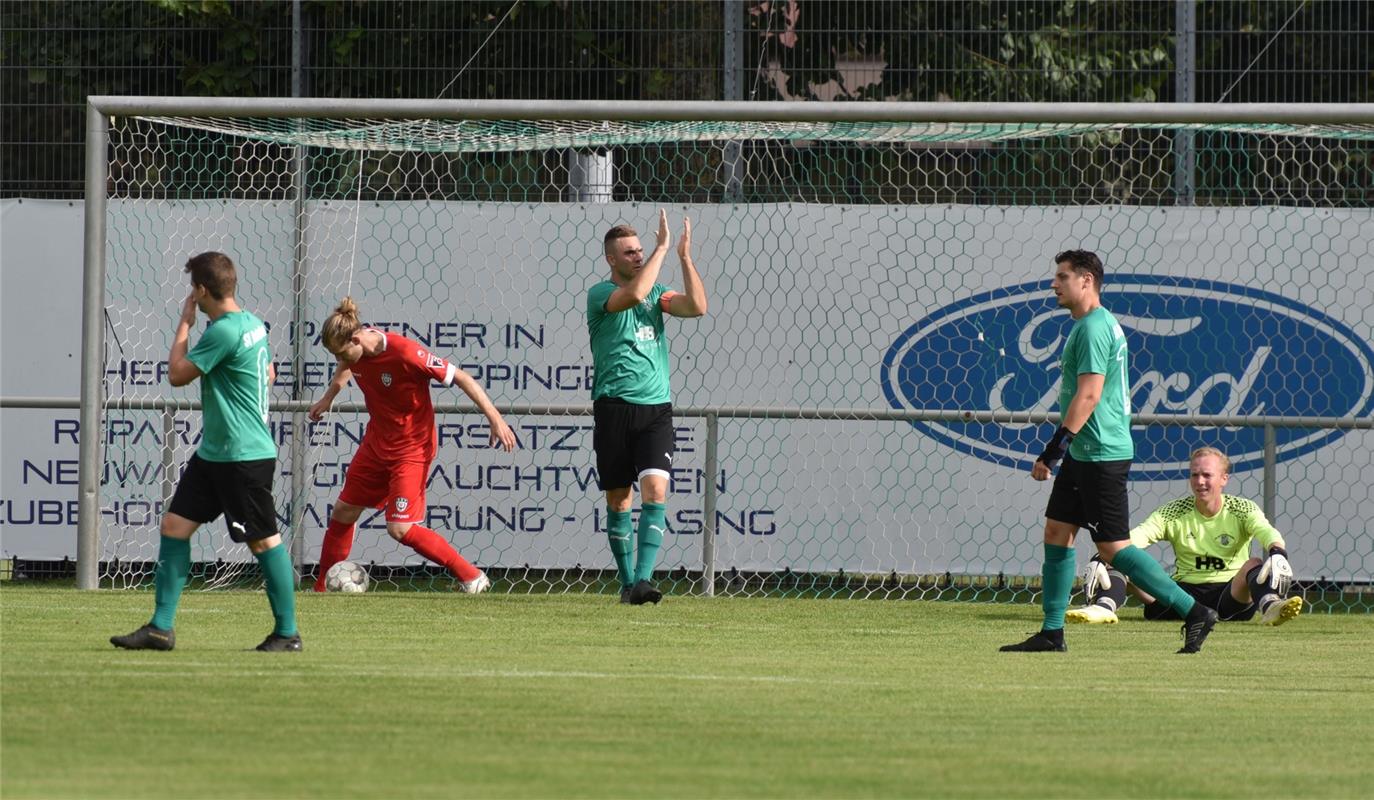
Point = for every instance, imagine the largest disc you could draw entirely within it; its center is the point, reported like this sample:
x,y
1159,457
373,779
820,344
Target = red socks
x,y
338,540
435,548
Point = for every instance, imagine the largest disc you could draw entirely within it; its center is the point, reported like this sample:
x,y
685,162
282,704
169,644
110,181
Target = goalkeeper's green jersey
x,y
1207,549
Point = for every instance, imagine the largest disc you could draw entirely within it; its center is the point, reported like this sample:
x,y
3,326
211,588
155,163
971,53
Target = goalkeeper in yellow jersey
x,y
1210,533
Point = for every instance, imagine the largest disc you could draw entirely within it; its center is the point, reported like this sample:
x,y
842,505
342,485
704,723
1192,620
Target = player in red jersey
x,y
392,463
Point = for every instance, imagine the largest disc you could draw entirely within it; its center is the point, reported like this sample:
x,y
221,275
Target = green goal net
x,y
857,414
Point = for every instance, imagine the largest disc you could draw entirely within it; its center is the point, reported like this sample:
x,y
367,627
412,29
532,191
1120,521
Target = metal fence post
x,y
732,19
708,511
169,453
1185,91
1271,449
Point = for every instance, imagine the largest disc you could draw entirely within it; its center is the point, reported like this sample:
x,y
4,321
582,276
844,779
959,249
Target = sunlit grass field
x,y
445,695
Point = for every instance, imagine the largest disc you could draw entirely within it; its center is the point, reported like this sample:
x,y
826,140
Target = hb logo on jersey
x,y
1210,562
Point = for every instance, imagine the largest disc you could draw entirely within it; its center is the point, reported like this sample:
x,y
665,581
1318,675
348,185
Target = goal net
x,y
875,376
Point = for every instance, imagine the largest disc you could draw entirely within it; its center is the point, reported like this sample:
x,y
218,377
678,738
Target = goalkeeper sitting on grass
x,y
1210,533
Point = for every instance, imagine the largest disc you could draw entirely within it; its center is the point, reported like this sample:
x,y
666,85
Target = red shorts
x,y
397,486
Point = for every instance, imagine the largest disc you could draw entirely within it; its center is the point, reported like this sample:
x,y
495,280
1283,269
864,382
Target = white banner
x,y
1227,310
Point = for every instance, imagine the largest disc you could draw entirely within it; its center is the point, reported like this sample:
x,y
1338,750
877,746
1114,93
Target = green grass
x,y
441,695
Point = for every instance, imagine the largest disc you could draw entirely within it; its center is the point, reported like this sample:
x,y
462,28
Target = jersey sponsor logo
x,y
435,362
254,336
1209,562
386,378
1196,346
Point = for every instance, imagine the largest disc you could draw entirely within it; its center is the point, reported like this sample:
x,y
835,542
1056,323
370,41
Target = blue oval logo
x,y
1195,347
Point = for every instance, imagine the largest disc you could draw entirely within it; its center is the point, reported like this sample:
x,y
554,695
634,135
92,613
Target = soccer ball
x,y
346,577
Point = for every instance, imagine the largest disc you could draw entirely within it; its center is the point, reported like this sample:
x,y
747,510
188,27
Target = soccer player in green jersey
x,y
1210,533
1094,440
231,472
631,397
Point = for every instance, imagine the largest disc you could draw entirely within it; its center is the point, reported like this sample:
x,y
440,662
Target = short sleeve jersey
x,y
1097,345
1207,549
234,359
629,351
395,386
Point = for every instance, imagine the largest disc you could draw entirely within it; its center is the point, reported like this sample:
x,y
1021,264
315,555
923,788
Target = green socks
x,y
653,521
173,568
1058,572
1145,572
281,588
622,548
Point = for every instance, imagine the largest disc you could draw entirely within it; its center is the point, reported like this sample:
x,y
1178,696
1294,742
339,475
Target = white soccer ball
x,y
346,577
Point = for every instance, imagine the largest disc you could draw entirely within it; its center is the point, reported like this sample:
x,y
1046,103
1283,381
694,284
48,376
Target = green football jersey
x,y
629,351
1207,549
1097,345
233,357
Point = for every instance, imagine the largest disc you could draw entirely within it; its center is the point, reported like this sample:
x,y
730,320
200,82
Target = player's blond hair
x,y
1212,451
341,325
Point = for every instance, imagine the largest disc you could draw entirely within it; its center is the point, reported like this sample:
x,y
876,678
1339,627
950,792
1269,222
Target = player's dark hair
x,y
341,325
618,232
1082,261
214,271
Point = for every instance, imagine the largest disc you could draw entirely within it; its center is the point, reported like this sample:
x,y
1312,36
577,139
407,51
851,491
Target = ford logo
x,y
1196,347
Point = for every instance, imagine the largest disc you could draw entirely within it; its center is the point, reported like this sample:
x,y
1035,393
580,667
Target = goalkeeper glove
x,y
1057,447
1276,571
1096,577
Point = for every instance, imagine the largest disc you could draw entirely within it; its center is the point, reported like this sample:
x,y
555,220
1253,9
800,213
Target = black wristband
x,y
1279,550
1056,447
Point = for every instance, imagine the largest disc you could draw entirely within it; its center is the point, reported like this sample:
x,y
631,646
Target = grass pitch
x,y
439,695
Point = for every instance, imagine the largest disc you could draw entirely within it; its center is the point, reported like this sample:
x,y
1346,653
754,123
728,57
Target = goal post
x,y
856,414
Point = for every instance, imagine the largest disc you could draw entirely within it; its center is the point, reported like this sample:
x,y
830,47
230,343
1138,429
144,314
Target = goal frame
x,y
101,109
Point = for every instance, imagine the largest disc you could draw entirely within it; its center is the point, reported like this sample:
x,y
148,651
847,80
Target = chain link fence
x,y
56,54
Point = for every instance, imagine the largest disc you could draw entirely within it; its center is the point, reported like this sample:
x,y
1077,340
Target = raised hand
x,y
684,245
664,237
189,308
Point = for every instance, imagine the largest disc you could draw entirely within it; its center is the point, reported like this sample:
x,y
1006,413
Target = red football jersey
x,y
395,386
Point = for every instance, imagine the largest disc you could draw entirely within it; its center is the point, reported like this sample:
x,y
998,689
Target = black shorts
x,y
1216,596
1092,495
240,490
631,439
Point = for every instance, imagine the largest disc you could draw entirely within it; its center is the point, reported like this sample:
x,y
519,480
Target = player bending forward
x,y
1210,533
392,463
